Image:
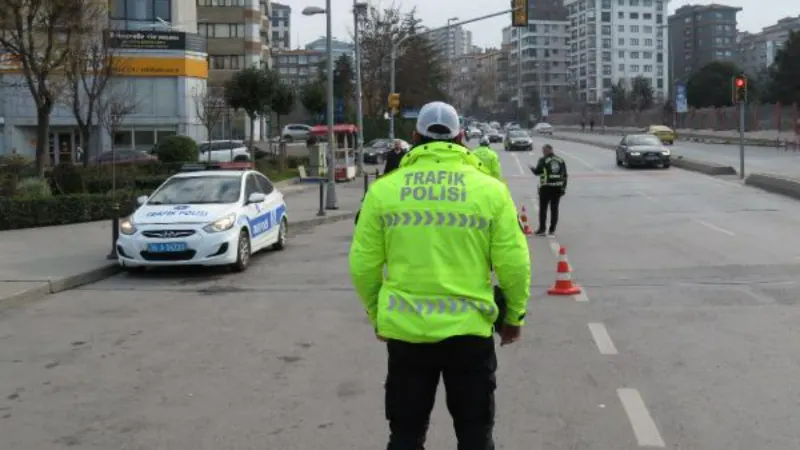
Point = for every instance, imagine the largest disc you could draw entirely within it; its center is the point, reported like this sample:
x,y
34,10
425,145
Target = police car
x,y
209,215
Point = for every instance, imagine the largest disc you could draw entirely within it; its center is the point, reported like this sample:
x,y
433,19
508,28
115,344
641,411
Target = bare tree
x,y
39,35
210,108
88,71
117,103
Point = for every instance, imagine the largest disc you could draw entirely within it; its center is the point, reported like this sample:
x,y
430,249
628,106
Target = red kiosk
x,y
344,154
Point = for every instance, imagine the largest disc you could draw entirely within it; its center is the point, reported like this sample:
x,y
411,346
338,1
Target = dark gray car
x,y
642,150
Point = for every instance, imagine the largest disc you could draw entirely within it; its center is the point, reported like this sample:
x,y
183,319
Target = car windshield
x,y
642,140
517,134
197,190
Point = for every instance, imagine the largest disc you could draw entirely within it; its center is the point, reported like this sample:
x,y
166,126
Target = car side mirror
x,y
141,200
256,197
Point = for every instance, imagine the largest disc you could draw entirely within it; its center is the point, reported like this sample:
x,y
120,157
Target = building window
x,y
221,30
226,62
647,55
622,67
648,68
635,42
634,55
634,68
647,16
621,28
634,2
634,28
634,15
647,29
621,54
621,41
138,14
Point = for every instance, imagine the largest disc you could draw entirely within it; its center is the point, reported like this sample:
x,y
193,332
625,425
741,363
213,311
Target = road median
x,y
704,167
776,184
709,137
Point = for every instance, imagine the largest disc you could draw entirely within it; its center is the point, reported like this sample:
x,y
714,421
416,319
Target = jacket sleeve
x,y
566,177
539,169
368,255
511,259
497,169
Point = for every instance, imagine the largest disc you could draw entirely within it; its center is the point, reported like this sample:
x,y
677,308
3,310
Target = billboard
x,y
156,40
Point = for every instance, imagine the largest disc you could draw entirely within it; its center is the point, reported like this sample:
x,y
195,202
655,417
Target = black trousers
x,y
549,197
467,365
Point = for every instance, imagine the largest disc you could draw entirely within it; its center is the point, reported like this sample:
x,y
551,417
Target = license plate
x,y
166,247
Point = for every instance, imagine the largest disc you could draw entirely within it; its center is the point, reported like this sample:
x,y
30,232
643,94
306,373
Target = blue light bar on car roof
x,y
235,165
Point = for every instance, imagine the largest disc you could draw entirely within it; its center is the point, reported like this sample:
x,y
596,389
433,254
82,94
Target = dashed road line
x,y
644,428
711,226
580,160
519,164
583,297
602,339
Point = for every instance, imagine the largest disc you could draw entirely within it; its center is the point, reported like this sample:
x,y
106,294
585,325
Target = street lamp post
x,y
358,10
331,201
397,44
451,51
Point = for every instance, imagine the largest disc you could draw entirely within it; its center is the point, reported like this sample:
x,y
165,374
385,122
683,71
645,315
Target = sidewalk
x,y
36,262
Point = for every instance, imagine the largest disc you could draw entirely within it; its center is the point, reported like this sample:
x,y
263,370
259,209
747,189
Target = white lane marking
x,y
602,339
711,226
644,428
652,199
583,297
519,164
580,160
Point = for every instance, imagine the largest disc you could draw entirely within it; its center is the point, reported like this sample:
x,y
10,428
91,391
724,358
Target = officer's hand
x,y
509,334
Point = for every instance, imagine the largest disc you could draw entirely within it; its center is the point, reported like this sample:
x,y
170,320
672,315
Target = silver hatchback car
x,y
295,132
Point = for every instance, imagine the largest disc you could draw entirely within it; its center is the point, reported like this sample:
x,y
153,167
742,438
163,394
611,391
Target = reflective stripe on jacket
x,y
438,225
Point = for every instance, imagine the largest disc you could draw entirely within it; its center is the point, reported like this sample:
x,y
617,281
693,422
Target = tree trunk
x,y
253,141
86,142
42,138
281,147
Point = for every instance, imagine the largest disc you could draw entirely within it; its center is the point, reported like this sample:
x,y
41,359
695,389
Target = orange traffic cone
x,y
563,285
523,220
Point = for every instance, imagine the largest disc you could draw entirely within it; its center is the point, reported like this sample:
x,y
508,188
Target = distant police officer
x,y
552,172
439,224
394,157
489,158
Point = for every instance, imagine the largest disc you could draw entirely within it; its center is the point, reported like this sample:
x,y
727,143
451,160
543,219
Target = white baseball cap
x,y
438,120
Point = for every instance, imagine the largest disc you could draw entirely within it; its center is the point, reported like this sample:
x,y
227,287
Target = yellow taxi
x,y
664,133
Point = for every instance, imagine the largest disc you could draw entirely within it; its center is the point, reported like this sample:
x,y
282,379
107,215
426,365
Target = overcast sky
x,y
755,15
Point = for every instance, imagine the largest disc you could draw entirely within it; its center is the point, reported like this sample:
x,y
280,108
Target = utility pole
x,y
519,76
358,8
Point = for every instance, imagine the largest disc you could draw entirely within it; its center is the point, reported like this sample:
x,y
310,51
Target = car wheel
x,y
288,138
619,163
283,231
626,163
242,252
666,166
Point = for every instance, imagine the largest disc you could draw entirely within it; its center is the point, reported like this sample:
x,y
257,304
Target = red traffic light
x,y
740,82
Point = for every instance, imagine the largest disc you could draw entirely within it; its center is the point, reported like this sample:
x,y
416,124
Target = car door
x,y
274,204
257,214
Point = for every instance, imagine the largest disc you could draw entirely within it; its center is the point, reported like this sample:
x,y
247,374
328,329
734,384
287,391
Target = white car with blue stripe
x,y
204,217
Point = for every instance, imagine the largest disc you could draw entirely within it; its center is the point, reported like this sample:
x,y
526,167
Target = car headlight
x,y
222,224
126,226
634,153
665,152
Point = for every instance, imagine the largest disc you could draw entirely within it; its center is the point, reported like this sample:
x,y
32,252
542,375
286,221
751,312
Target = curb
x,y
692,165
57,285
776,184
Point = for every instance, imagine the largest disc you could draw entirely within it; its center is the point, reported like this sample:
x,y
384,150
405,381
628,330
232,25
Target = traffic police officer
x,y
489,158
439,224
552,172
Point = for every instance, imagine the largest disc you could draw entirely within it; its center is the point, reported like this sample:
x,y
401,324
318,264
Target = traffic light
x,y
519,15
394,101
739,89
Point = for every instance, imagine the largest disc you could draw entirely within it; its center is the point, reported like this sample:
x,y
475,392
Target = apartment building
x,y
163,62
452,42
700,34
298,67
281,26
545,54
238,34
612,40
757,50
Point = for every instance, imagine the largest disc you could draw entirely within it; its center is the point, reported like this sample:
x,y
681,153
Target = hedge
x,y
27,212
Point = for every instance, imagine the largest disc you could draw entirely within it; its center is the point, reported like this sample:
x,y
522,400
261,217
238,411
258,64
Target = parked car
x,y
124,157
375,151
296,132
642,150
222,151
543,128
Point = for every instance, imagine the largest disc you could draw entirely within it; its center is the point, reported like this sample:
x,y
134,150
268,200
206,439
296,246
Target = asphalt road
x,y
685,337
757,159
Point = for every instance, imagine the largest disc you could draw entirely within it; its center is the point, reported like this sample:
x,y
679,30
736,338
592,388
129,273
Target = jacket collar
x,y
440,152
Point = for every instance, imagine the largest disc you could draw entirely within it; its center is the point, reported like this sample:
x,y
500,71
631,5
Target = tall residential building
x,y
545,62
281,26
757,50
614,40
238,33
452,42
298,67
700,34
